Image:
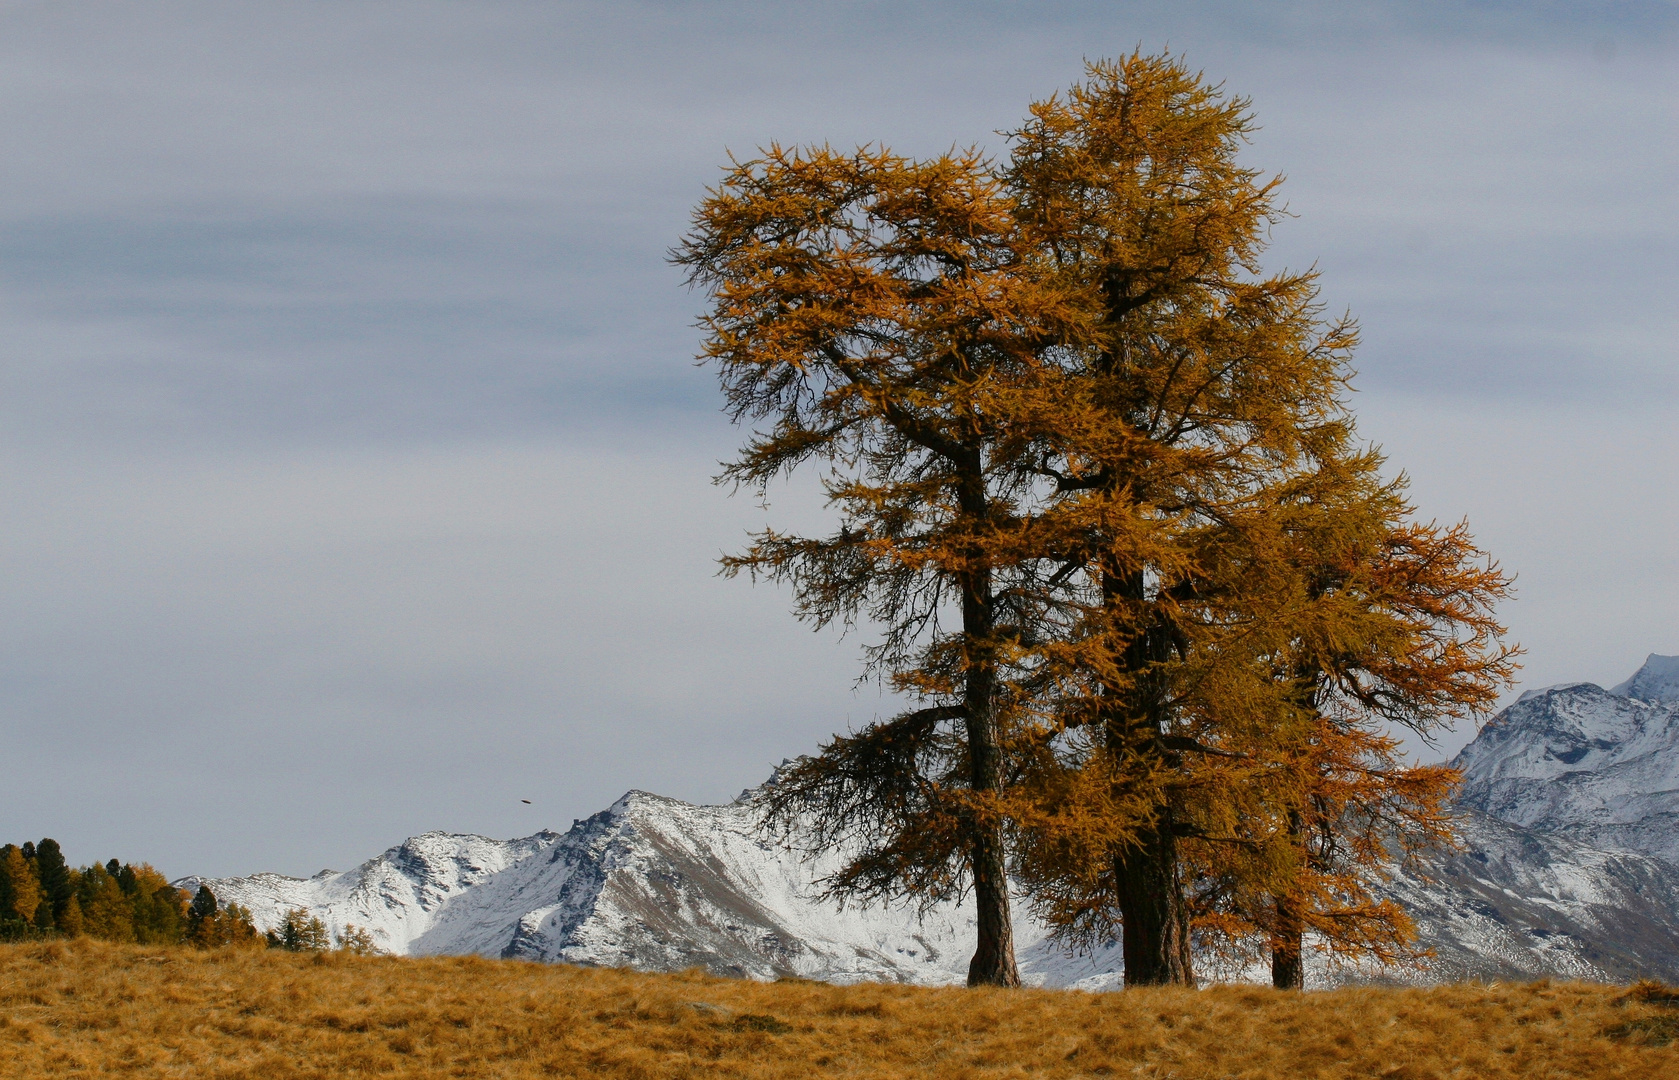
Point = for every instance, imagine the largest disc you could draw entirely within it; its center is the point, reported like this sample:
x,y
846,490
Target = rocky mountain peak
x,y
1599,766
1657,680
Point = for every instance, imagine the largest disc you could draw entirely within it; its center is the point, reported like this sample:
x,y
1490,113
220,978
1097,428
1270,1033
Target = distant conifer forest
x,y
43,896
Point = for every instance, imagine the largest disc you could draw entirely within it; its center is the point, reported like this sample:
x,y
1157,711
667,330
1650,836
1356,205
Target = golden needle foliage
x,y
1099,487
870,316
94,1009
1254,607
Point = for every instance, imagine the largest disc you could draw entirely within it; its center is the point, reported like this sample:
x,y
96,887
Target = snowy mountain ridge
x,y
650,883
1657,680
1598,766
1568,869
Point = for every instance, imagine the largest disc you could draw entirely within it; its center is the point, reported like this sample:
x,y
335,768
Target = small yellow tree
x,y
210,925
20,892
1398,632
300,931
106,912
357,941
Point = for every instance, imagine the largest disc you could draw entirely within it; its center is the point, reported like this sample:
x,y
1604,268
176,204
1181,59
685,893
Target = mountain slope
x,y
1520,904
1598,767
1569,868
1657,680
650,883
395,896
660,885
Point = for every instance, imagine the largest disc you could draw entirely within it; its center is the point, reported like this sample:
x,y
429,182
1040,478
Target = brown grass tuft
x,y
97,1010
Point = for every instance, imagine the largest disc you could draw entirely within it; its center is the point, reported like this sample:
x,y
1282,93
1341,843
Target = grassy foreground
x,y
91,1009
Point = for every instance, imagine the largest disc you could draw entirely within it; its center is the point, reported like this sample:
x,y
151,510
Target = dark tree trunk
x,y
1287,970
1156,917
1153,911
993,963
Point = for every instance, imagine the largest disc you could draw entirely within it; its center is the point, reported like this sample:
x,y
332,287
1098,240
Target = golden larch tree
x,y
870,316
1397,633
1196,385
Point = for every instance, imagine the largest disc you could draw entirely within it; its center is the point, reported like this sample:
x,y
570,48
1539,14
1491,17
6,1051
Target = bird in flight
x,y
527,802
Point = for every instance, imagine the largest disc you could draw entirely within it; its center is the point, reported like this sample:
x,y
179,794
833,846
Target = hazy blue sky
x,y
353,464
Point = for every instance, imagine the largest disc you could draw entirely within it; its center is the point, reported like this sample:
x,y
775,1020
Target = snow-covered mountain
x,y
650,883
1597,766
1520,904
1569,868
1657,680
397,896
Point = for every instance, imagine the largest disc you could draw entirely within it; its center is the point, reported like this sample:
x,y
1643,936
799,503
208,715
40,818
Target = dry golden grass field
x,y
85,1009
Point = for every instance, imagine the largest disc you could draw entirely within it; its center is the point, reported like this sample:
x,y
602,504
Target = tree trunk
x,y
993,963
1287,970
1153,911
1156,917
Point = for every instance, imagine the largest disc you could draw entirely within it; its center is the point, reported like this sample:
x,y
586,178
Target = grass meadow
x,y
89,1009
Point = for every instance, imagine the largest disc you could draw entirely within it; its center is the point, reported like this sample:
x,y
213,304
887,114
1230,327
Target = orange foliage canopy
x,y
870,314
1098,487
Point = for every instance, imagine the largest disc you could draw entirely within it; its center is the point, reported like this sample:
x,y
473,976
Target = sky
x,y
355,467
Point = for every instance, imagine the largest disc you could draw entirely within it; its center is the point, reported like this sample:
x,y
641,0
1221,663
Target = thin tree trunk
x,y
1287,970
993,963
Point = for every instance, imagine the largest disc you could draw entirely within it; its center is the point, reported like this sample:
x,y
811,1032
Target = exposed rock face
x,y
1520,904
1570,868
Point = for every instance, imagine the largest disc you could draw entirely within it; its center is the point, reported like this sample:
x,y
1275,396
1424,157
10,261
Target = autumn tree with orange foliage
x,y
1258,610
1198,389
1098,484
213,925
869,313
20,893
1391,627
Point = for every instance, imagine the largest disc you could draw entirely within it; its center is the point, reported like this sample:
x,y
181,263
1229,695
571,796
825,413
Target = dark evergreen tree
x,y
203,906
58,885
300,932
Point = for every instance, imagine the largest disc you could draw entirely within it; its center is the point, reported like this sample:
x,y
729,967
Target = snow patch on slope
x,y
396,896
